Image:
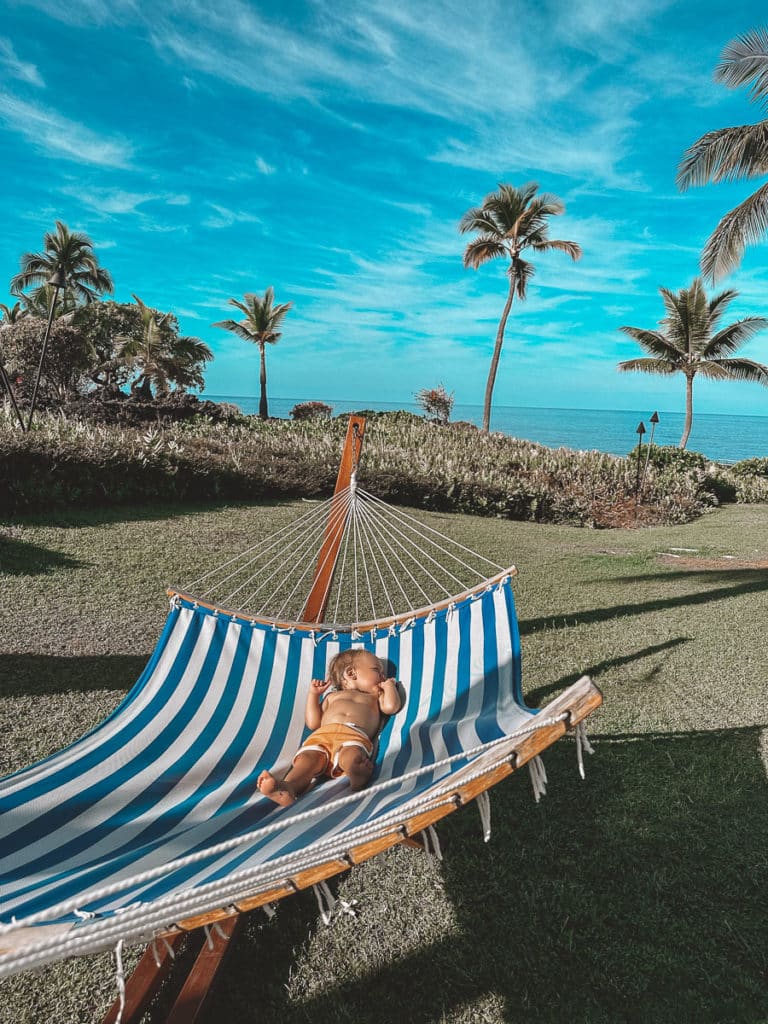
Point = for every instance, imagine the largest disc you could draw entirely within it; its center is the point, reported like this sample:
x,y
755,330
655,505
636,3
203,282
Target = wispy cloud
x,y
263,167
59,137
17,68
88,12
222,217
118,201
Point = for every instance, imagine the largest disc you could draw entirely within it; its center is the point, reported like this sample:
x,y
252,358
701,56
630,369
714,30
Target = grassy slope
x,y
636,895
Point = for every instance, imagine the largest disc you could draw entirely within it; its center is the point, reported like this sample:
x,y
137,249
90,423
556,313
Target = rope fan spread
x,y
152,825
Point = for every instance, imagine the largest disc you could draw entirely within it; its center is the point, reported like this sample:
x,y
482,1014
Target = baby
x,y
344,725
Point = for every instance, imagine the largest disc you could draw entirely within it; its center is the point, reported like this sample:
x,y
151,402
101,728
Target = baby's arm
x,y
389,699
313,715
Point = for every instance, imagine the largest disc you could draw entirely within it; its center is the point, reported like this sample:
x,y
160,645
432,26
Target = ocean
x,y
721,438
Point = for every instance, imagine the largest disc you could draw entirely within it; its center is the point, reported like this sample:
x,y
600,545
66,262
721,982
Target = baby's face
x,y
366,674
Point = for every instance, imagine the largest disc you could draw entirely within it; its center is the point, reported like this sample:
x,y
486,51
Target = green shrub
x,y
436,402
751,467
662,456
311,411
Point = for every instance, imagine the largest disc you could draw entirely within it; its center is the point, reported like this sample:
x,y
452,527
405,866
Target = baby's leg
x,y
305,767
355,764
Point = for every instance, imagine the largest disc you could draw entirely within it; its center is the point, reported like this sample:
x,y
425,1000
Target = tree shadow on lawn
x,y
74,518
637,895
749,581
34,674
535,697
20,558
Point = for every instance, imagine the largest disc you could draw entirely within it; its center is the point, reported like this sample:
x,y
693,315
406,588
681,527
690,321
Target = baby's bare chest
x,y
351,706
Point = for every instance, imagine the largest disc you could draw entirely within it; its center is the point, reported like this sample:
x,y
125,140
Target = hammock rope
x,y
381,551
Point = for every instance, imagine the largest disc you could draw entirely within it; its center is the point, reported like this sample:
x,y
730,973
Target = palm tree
x,y
688,343
728,154
12,314
509,221
160,356
261,327
71,253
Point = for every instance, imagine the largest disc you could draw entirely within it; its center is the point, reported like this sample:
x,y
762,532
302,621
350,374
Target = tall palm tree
x,y
689,343
728,154
261,326
509,221
71,253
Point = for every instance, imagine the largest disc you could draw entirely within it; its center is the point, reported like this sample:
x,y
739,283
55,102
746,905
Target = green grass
x,y
637,895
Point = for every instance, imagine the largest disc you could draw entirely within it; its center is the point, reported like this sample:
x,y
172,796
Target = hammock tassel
x,y
326,901
582,744
538,777
431,842
119,980
484,807
348,907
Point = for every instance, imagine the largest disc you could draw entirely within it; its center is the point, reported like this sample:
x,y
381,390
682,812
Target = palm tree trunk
x,y
263,410
496,356
688,409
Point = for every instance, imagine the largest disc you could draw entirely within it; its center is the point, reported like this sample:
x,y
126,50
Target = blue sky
x,y
330,149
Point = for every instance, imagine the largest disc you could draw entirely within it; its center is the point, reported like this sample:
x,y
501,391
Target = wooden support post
x,y
314,609
145,982
190,1003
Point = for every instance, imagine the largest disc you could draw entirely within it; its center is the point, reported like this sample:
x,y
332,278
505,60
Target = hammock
x,y
152,822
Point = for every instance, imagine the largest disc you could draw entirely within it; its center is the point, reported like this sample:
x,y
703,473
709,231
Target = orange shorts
x,y
331,740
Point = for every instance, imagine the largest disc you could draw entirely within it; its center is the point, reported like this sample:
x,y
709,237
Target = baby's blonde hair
x,y
339,664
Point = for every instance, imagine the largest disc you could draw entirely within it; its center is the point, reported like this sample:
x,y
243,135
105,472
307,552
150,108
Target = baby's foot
x,y
359,772
277,791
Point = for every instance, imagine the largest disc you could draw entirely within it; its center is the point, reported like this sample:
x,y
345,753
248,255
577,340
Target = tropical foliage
x,y
689,342
159,356
261,326
729,154
70,253
68,359
11,314
509,221
67,462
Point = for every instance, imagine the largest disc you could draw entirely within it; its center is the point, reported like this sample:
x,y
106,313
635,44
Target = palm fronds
x,y
726,154
661,366
745,62
687,342
745,224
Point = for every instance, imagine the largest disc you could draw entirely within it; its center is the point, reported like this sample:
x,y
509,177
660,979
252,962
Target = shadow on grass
x,y
535,697
74,518
19,558
26,674
637,895
751,581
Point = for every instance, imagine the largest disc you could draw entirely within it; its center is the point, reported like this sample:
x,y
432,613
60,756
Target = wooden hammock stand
x,y
156,963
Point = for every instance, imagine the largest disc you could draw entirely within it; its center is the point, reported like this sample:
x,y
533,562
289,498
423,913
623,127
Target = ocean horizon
x,y
721,437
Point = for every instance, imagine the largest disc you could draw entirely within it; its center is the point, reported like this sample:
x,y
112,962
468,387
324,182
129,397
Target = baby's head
x,y
356,670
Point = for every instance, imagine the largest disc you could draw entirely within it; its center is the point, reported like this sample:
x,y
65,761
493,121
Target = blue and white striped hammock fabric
x,y
140,805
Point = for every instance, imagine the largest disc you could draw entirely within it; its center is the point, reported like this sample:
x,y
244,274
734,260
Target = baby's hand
x,y
320,685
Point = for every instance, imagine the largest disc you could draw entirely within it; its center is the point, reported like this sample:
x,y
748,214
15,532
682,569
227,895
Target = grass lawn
x,y
637,895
